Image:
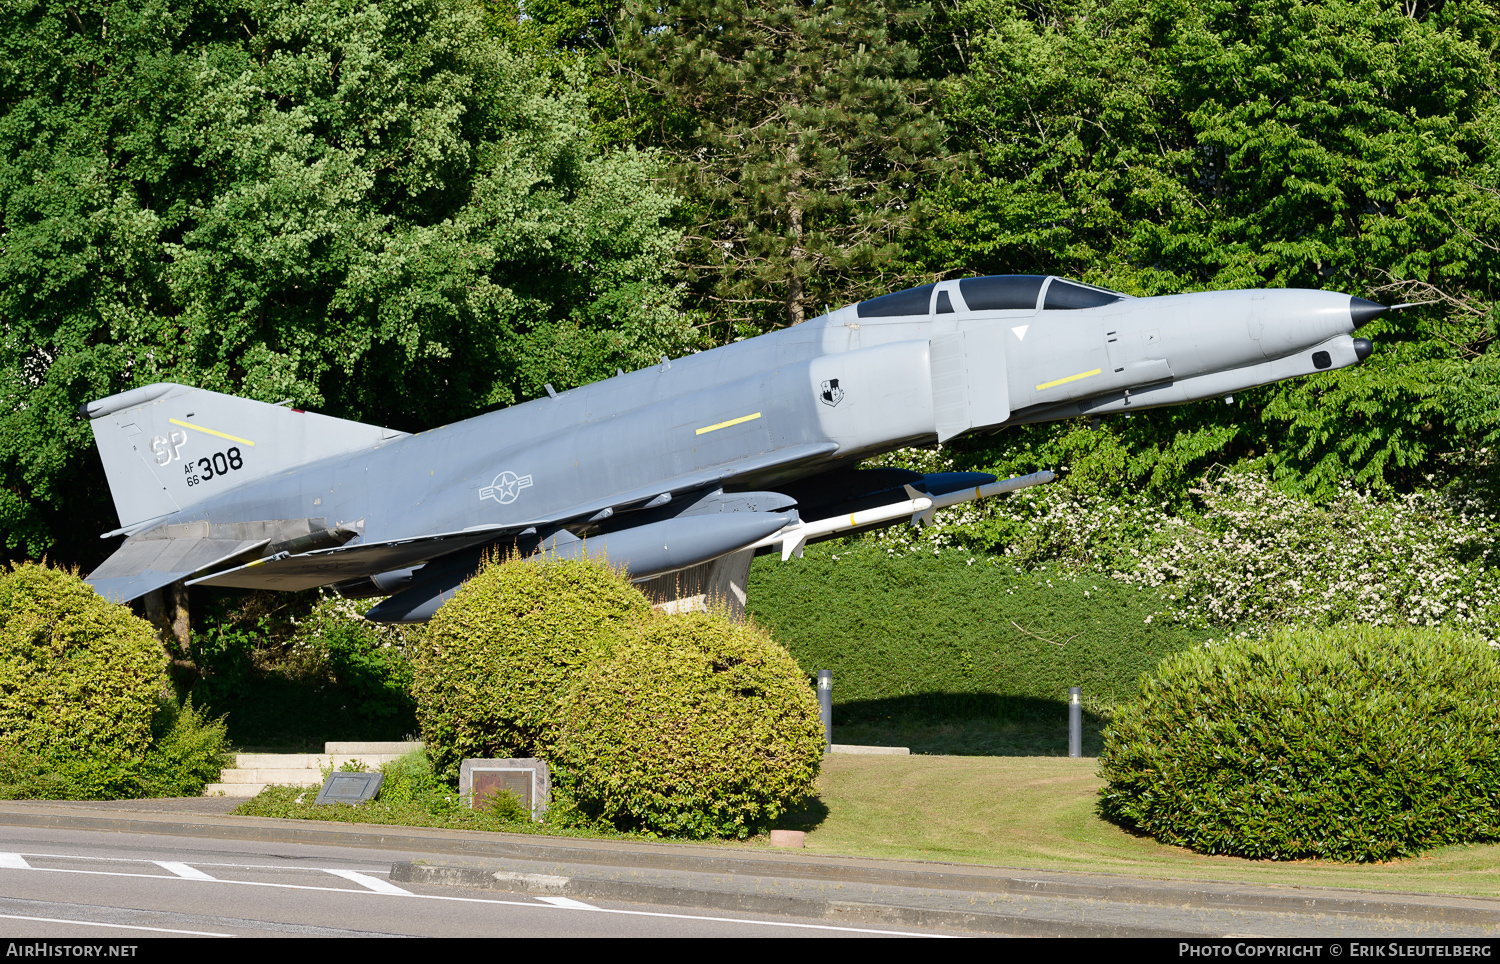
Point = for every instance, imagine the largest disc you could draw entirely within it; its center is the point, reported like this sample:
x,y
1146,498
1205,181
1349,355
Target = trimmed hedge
x,y
932,637
492,671
80,683
692,727
1355,744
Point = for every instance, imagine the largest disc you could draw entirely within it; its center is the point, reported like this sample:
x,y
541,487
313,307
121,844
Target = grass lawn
x,y
1038,813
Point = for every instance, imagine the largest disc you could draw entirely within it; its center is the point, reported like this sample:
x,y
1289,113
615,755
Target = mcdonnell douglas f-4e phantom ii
x,y
752,446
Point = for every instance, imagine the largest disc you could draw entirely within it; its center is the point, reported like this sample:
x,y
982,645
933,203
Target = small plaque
x,y
528,779
518,783
350,788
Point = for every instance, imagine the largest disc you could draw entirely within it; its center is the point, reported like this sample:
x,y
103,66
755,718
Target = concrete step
x,y
296,777
252,772
309,761
246,790
281,761
357,749
372,760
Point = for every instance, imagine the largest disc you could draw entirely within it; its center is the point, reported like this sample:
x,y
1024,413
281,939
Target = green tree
x,y
378,211
1157,146
801,131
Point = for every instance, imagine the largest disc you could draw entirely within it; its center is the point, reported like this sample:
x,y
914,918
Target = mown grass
x,y
1039,813
1031,813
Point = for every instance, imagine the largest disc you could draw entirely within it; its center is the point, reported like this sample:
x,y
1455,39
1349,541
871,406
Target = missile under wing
x,y
754,445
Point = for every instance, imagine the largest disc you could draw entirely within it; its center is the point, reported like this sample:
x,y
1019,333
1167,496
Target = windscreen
x,y
1067,295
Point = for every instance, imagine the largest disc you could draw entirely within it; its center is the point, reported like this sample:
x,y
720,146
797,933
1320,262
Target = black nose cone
x,y
1362,348
1361,311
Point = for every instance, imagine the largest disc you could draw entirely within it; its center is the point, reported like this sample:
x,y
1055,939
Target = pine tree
x,y
801,133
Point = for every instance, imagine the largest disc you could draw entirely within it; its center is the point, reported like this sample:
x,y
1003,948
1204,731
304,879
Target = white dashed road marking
x,y
372,886
373,883
123,927
182,870
567,902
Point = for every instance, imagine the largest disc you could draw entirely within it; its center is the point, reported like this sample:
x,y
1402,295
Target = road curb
x,y
563,852
766,901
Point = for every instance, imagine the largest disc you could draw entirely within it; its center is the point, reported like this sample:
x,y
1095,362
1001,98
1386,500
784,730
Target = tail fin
x,y
166,447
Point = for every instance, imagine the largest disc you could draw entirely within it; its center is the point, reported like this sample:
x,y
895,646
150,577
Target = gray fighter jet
x,y
752,445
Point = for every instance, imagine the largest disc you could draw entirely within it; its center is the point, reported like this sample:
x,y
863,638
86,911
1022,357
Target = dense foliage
x,y
85,706
1359,744
692,726
288,670
1156,146
1239,553
376,210
402,212
493,671
686,725
800,132
79,678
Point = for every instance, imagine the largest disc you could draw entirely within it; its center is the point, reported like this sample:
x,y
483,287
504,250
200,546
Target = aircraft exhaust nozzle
x,y
1361,311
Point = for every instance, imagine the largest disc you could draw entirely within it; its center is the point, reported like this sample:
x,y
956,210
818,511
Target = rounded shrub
x,y
692,726
491,673
80,680
1355,744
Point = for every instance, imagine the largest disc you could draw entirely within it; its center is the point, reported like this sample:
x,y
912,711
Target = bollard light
x,y
1075,721
825,704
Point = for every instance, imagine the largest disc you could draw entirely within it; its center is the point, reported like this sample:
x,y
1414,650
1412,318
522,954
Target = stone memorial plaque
x,y
529,779
519,783
350,787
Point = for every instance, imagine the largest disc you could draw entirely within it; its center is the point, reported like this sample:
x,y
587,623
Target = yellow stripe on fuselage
x,y
1071,378
732,421
209,431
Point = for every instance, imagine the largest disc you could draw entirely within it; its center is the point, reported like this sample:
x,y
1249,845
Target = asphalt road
x,y
115,886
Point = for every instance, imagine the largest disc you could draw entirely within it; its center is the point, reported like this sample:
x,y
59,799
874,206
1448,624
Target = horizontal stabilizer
x,y
137,568
165,554
308,570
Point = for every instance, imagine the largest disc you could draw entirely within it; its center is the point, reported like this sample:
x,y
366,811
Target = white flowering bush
x,y
1247,556
370,661
1259,557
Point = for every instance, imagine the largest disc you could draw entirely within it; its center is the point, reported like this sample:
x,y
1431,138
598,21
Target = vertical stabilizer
x,y
166,446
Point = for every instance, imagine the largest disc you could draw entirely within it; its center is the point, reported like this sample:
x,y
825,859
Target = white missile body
x,y
920,507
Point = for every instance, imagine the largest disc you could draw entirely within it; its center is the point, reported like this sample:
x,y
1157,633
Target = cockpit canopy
x,y
1000,292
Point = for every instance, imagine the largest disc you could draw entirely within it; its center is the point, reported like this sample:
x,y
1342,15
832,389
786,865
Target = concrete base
x,y
717,585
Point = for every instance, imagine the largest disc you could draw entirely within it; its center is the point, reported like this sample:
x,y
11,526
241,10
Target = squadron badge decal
x,y
831,394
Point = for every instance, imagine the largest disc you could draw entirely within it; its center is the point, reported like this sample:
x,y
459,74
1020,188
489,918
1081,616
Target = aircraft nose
x,y
1361,311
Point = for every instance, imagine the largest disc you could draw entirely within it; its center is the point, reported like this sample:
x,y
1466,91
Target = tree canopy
x,y
800,131
408,211
378,210
1156,146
